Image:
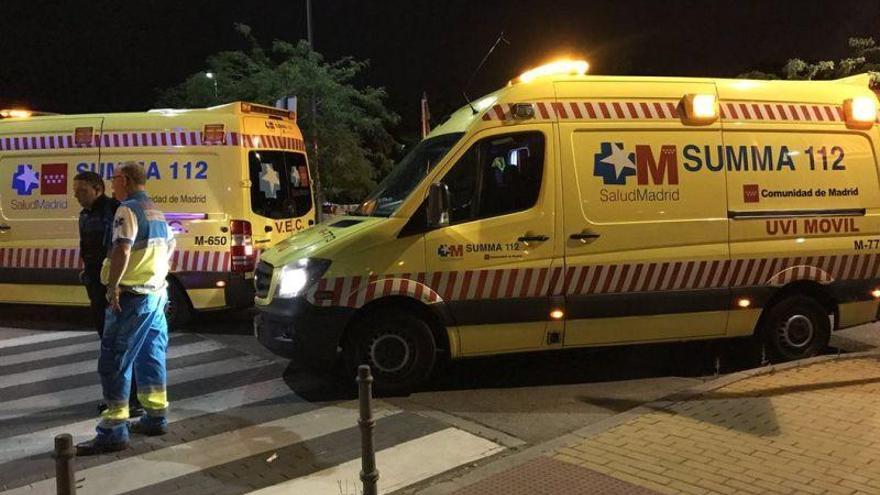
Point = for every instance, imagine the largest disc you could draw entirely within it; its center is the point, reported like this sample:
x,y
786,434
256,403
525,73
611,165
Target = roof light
x,y
83,136
557,68
15,113
214,133
860,111
699,109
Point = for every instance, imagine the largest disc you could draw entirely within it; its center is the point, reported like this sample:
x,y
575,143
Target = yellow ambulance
x,y
231,179
567,210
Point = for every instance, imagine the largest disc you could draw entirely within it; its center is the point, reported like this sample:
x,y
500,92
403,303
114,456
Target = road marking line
x,y
39,442
399,466
41,337
161,465
40,403
91,365
54,352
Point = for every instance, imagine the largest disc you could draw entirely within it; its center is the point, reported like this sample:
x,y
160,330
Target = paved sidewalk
x,y
812,427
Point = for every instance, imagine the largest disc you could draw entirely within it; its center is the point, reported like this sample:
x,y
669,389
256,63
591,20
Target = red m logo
x,y
648,168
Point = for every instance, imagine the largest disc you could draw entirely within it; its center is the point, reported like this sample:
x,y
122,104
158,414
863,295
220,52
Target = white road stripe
x,y
26,357
39,403
180,460
29,444
399,466
42,337
91,365
54,352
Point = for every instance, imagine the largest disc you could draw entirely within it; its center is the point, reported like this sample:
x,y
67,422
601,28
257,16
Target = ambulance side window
x,y
497,176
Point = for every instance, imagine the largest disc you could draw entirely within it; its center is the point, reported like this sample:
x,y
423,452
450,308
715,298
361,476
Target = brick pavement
x,y
811,429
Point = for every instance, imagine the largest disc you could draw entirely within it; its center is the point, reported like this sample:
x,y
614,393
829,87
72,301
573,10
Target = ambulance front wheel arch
x,y
796,322
179,310
399,338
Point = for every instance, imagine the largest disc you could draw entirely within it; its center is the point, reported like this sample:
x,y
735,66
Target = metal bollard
x,y
65,470
369,473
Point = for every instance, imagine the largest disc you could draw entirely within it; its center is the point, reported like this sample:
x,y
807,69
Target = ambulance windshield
x,y
406,175
280,185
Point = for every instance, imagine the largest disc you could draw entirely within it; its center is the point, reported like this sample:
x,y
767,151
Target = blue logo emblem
x,y
614,164
25,180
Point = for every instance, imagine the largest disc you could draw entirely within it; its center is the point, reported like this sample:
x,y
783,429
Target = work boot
x,y
94,447
135,410
149,426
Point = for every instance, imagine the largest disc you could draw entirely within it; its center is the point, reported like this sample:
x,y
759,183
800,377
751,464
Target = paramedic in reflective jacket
x,y
135,332
95,230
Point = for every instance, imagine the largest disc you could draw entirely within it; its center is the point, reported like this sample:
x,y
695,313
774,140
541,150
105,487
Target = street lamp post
x,y
316,175
210,75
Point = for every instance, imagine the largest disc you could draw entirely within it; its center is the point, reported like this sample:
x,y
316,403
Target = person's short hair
x,y
91,178
134,171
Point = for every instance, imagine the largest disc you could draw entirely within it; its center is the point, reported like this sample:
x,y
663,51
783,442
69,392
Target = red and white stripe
x,y
668,110
592,110
200,261
64,258
797,112
69,258
147,138
596,279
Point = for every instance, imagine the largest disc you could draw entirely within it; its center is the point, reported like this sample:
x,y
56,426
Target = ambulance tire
x,y
178,311
398,346
796,327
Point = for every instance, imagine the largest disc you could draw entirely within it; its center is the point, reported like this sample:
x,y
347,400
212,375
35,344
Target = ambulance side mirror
x,y
438,205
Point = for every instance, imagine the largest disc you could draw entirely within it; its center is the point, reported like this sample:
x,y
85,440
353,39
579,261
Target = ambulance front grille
x,y
262,279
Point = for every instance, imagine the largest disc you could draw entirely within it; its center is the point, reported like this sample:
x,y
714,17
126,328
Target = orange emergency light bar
x,y
15,113
275,112
555,68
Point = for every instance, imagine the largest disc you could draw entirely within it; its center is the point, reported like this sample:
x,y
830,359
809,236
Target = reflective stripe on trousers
x,y
134,338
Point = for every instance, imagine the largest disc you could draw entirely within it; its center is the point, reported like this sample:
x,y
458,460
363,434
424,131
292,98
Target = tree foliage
x,y
352,125
864,56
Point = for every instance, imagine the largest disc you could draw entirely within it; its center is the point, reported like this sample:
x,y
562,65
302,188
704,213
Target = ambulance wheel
x,y
398,346
178,311
796,327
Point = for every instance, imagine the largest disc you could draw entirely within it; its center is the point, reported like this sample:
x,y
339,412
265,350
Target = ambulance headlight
x,y
298,276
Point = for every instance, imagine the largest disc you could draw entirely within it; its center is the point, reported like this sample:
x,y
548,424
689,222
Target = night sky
x,y
101,56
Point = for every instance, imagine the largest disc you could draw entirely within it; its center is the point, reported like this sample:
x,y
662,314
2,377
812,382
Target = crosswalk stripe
x,y
399,466
81,395
55,352
188,458
91,365
28,444
41,337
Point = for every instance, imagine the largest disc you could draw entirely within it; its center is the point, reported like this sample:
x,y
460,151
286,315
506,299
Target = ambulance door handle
x,y
584,236
4,227
534,238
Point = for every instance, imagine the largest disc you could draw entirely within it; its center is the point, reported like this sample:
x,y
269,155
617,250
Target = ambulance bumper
x,y
302,332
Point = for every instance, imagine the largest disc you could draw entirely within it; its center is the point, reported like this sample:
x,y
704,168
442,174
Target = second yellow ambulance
x,y
568,210
232,180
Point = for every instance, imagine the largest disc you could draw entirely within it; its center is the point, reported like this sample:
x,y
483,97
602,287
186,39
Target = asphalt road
x,y
520,398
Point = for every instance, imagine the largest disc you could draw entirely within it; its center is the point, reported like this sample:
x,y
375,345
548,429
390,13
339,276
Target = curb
x,y
535,451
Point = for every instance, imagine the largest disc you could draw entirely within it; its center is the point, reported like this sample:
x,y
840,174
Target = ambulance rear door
x,y
280,183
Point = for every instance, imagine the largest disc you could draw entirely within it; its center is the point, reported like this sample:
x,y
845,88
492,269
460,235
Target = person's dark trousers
x,y
98,303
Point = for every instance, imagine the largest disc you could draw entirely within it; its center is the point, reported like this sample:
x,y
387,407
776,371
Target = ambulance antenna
x,y
474,74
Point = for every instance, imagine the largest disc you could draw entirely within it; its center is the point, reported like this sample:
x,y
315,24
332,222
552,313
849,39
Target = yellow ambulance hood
x,y
317,241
